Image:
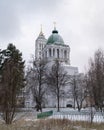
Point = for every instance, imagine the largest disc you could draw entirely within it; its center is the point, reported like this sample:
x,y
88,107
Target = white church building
x,y
54,48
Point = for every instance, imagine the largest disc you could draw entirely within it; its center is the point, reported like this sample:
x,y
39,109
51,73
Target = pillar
x,y
55,53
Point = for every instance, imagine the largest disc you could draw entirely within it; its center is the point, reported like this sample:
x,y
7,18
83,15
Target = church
x,y
54,48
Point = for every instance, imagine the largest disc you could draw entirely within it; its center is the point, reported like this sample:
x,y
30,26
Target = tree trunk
x,y
58,103
74,102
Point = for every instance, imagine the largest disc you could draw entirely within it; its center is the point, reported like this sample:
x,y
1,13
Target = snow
x,y
65,113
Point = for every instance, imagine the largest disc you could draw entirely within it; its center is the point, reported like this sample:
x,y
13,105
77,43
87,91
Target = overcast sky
x,y
79,22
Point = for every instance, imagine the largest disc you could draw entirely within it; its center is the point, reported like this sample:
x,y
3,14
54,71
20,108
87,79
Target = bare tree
x,y
96,79
78,90
36,82
89,97
57,79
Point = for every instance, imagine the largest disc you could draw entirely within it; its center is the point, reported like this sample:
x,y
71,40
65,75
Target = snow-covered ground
x,y
65,113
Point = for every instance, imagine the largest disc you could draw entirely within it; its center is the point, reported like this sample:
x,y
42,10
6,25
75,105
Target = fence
x,y
79,116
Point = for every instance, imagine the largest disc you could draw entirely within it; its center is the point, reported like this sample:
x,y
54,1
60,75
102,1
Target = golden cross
x,y
54,25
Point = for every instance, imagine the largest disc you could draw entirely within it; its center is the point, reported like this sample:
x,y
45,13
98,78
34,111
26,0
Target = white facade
x,y
51,49
54,51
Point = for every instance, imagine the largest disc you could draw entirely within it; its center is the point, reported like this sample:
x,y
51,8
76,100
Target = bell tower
x,y
39,45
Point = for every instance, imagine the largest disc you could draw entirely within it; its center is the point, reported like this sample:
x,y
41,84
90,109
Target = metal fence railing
x,y
79,116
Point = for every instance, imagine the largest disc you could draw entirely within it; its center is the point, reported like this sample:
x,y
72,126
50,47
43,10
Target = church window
x,y
53,52
49,52
46,54
57,53
40,46
65,54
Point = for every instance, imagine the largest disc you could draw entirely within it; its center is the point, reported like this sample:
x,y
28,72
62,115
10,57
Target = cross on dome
x,y
54,25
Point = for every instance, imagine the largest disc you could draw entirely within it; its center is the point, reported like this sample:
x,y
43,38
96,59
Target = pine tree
x,y
12,81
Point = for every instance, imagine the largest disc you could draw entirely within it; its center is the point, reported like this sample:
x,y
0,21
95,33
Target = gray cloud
x,y
9,21
12,12
80,23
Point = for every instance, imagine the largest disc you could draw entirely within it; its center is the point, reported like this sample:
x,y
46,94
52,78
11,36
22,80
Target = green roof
x,y
55,38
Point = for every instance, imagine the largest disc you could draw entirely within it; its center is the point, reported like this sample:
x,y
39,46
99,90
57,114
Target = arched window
x,y
57,53
53,52
65,54
40,46
49,52
46,54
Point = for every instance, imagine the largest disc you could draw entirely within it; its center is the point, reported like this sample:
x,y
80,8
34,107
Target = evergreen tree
x,y
12,81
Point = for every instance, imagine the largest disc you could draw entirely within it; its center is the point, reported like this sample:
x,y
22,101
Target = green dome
x,y
55,38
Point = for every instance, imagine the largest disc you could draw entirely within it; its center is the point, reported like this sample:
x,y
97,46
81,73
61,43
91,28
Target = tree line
x,y
43,79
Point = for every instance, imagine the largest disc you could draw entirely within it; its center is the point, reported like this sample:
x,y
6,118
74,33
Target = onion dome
x,y
55,38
